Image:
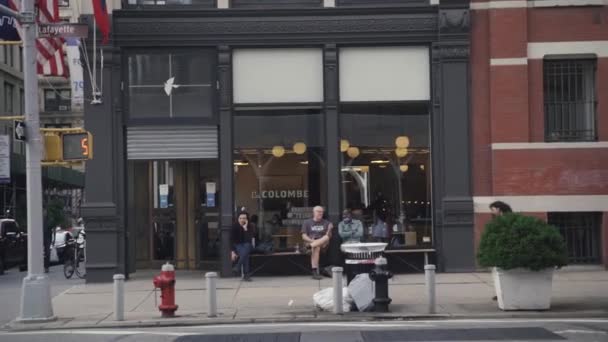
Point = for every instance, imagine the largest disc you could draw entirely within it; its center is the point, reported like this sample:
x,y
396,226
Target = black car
x,y
13,245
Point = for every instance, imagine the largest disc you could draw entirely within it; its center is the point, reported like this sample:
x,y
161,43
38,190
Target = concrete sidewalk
x,y
576,293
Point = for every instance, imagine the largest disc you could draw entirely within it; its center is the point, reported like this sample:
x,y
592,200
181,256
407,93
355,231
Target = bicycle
x,y
75,261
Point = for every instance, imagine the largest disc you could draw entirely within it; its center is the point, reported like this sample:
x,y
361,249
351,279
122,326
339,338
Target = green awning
x,y
61,176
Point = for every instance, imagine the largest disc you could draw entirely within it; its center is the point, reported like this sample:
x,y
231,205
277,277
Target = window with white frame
x,y
570,100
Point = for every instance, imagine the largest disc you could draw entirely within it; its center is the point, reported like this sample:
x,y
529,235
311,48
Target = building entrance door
x,y
170,212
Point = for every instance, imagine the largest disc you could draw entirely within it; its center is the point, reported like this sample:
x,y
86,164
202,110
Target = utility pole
x,y
36,303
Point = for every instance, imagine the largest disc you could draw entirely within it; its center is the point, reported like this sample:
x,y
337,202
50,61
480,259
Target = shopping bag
x,y
53,255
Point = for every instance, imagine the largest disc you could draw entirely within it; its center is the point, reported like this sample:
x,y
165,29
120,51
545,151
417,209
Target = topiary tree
x,y
517,241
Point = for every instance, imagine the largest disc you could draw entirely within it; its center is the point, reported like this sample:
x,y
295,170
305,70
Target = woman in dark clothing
x,y
243,235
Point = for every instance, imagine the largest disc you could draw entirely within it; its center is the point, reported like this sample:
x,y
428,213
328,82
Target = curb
x,y
319,317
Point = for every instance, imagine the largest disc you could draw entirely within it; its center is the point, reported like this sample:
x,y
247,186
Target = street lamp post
x,y
35,291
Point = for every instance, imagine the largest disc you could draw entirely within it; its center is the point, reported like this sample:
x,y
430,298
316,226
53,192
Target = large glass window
x,y
278,170
386,177
171,85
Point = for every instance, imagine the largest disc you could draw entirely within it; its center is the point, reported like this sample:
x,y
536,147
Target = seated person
x,y
350,230
316,233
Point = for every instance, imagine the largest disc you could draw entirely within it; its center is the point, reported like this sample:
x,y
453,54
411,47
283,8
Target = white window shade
x,y
384,74
277,75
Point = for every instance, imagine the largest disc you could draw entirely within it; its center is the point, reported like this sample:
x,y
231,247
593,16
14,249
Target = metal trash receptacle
x,y
360,257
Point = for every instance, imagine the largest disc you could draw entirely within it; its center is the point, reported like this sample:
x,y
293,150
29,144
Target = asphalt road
x,y
550,330
10,290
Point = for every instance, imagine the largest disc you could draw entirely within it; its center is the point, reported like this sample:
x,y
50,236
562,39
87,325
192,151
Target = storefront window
x,y
386,176
278,168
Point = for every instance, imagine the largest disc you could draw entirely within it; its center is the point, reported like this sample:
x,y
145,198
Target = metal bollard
x,y
119,297
211,294
429,275
337,278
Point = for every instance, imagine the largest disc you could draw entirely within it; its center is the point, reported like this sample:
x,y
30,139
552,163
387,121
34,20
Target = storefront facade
x,y
276,107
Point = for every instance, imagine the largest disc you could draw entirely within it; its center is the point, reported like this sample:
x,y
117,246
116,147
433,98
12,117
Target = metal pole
x,y
119,297
211,277
336,273
429,274
35,292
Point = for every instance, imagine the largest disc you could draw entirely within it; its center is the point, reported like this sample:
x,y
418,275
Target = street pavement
x,y
542,330
576,293
10,289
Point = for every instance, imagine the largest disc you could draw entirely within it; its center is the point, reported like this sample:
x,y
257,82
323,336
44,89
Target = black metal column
x,y
451,142
103,210
226,152
332,131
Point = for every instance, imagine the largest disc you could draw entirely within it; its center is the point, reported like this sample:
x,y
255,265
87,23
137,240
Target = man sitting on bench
x,y
316,233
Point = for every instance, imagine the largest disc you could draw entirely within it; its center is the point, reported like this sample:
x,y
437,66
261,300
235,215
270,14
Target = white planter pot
x,y
522,289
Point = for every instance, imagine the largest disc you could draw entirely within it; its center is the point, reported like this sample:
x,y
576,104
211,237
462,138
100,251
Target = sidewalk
x,y
266,299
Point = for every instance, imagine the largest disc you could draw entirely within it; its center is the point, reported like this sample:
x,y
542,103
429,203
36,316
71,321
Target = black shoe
x,y
316,275
495,298
248,279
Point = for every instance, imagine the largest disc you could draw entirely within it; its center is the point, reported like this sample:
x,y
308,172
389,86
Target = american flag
x,y
50,59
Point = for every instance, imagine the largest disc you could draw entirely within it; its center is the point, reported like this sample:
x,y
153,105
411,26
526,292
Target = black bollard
x,y
380,275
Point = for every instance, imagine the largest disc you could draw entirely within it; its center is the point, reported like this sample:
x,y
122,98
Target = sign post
x,y
36,303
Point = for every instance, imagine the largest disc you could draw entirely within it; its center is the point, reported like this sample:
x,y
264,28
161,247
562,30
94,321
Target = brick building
x,y
539,115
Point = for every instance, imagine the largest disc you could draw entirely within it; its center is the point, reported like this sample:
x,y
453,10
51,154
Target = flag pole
x,y
36,303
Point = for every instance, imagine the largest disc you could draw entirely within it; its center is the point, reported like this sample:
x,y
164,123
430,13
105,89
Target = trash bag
x,y
361,289
324,299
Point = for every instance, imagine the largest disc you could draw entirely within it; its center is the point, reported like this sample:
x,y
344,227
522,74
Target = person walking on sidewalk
x,y
243,240
316,233
499,208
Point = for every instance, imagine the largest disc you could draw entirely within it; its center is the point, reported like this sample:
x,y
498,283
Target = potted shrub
x,y
523,252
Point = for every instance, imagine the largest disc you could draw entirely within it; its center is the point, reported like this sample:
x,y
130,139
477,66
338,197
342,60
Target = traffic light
x,y
67,145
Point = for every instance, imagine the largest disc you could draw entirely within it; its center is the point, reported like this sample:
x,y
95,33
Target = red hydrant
x,y
166,283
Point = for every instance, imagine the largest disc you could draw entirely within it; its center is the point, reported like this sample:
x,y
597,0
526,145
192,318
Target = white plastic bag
x,y
53,257
324,299
361,290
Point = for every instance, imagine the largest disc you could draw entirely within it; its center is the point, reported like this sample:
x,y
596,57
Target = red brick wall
x,y
605,238
509,103
480,104
536,104
567,24
550,172
602,98
508,33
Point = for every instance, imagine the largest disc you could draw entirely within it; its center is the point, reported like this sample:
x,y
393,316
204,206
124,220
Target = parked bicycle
x,y
75,260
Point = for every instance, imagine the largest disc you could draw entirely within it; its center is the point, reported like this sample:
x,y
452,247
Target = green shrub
x,y
517,241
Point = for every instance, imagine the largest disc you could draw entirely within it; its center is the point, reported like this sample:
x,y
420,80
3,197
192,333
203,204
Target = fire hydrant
x,y
380,275
166,283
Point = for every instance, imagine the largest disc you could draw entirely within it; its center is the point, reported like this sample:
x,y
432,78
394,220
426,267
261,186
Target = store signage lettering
x,y
281,194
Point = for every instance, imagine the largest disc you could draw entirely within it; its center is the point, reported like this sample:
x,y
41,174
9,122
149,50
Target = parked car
x,y
13,245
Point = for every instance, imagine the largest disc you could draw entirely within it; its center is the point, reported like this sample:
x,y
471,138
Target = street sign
x,y
63,30
5,159
19,130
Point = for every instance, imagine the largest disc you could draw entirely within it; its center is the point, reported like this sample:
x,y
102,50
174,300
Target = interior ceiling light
x,y
401,152
299,148
379,161
402,141
404,168
344,145
278,151
353,152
